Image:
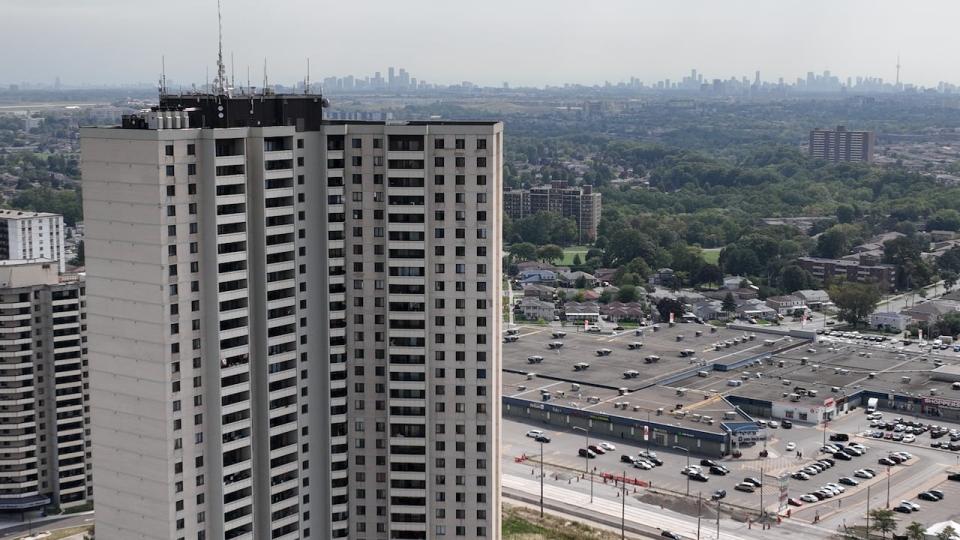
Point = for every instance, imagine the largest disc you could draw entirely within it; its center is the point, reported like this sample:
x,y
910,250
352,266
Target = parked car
x,y
627,459
786,424
886,461
927,496
809,498
937,493
534,433
708,463
719,470
587,453
861,473
642,465
839,437
794,502
903,509
597,450
542,438
846,480
914,506
842,456
745,486
671,535
698,476
607,446
718,494
754,481
791,446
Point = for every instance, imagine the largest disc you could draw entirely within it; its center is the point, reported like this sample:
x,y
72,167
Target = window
x,y
191,149
356,143
169,150
481,162
356,161
378,142
438,181
461,144
481,144
481,179
461,162
192,171
438,143
170,171
437,162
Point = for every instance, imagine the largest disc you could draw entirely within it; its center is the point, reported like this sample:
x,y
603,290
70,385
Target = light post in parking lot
x,y
586,457
623,507
888,487
687,451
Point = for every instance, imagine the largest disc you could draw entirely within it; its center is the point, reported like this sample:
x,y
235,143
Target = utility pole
x,y
888,487
687,451
623,507
718,519
541,480
699,512
647,437
762,461
586,457
868,511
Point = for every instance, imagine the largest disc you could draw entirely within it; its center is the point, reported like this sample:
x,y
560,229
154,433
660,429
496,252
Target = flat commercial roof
x,y
579,346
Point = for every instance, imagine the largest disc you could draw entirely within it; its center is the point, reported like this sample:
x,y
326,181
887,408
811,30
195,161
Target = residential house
x,y
542,292
929,312
710,310
733,282
605,274
535,309
786,305
814,298
539,265
623,311
890,320
663,276
577,279
538,276
755,308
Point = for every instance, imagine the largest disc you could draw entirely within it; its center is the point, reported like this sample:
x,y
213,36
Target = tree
x,y
794,278
882,520
944,220
855,301
525,251
949,278
845,213
577,261
549,252
666,306
627,293
916,531
948,533
729,303
708,273
833,243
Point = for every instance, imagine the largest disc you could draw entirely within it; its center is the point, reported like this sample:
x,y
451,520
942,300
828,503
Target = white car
x,y
640,464
809,498
909,438
534,433
791,446
607,446
915,506
836,486
860,473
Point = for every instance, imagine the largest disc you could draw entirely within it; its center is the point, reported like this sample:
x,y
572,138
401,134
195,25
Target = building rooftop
x,y
23,214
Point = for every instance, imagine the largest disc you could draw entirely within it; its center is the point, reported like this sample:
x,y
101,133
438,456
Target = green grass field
x,y
711,255
570,252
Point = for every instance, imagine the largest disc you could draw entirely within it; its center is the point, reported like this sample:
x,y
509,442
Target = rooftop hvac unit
x,y
785,394
804,360
681,391
623,391
698,333
956,386
904,380
696,418
834,389
812,393
707,420
729,415
530,376
794,397
575,387
636,408
872,375
786,382
713,329
522,388
780,363
934,391
659,411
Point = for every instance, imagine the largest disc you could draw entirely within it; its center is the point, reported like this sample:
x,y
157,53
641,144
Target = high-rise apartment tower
x,y
294,323
842,145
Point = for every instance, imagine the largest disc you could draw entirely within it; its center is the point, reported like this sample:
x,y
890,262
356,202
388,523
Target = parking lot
x,y
925,471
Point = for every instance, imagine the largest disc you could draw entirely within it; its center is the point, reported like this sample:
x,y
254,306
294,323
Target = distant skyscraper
x,y
841,145
295,323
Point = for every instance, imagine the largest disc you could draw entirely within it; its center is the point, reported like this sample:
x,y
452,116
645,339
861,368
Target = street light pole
x,y
888,487
868,511
699,512
687,451
623,508
586,457
762,460
541,479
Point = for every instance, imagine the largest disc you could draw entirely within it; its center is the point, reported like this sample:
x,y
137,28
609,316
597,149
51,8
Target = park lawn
x,y
571,252
711,255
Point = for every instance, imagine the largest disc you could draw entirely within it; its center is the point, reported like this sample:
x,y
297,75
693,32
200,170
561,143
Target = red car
x,y
597,450
794,502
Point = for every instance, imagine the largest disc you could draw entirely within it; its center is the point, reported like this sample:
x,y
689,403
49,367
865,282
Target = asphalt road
x,y
16,531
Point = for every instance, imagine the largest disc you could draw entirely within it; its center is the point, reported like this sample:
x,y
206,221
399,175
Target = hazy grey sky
x,y
521,41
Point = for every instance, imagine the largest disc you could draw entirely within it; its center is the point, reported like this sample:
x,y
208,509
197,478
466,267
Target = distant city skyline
x,y
111,42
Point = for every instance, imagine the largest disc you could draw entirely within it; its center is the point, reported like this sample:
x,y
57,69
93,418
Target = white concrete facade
x,y
28,235
264,310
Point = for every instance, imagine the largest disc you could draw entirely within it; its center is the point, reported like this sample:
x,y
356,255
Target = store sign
x,y
942,402
829,402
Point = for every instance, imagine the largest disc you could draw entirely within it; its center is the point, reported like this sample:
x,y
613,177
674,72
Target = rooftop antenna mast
x,y
306,84
233,76
163,75
221,70
266,82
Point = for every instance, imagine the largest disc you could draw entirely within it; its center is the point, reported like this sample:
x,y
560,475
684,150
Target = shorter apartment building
x,y
890,320
31,235
581,203
842,145
44,411
884,275
786,305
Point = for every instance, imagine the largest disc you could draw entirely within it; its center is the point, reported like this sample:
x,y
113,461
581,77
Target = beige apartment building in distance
x,y
44,431
294,323
581,203
842,145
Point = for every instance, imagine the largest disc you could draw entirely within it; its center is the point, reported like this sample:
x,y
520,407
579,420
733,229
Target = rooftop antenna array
x,y
266,82
221,69
163,75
